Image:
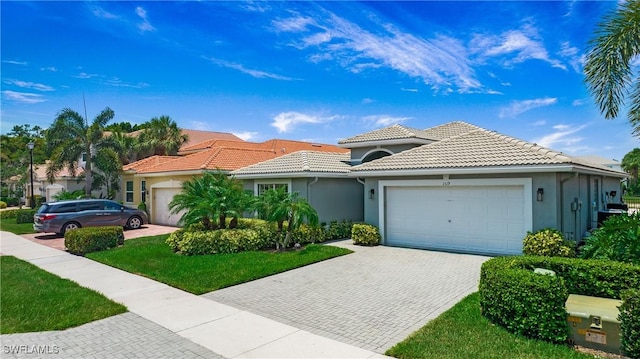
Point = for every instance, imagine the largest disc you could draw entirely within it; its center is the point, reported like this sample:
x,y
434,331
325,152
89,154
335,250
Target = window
x,y
263,187
89,206
64,208
110,206
143,190
84,157
128,196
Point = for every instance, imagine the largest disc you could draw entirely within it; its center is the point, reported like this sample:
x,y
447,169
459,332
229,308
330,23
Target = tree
x,y
631,164
71,136
210,199
608,68
277,205
162,136
108,169
14,156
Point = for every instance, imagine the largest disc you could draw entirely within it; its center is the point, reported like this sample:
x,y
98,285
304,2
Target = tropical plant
x,y
631,164
108,170
66,195
276,205
70,137
162,136
210,199
127,146
618,239
609,65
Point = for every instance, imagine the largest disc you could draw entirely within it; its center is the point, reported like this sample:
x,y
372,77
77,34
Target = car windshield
x,y
43,208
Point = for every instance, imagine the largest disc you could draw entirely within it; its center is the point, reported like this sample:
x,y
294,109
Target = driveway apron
x,y
372,298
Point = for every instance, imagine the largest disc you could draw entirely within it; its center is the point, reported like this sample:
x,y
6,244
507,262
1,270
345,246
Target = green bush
x,y
338,230
308,234
630,323
25,215
549,243
219,241
365,234
3,204
618,239
92,239
512,296
13,201
10,213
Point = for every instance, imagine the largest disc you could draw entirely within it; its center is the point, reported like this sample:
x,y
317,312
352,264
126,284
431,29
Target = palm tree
x,y
278,206
127,146
70,137
108,169
162,136
631,164
608,67
210,199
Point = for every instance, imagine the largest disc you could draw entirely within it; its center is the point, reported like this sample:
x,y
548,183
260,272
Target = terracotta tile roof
x,y
300,162
215,158
478,148
147,162
40,172
394,132
283,146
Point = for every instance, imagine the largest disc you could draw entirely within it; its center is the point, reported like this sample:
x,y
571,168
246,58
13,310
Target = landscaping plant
x,y
618,239
81,241
630,323
365,234
547,242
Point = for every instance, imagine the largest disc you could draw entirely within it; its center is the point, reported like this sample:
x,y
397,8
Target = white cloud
x,y
118,83
539,123
29,85
23,97
440,61
49,68
286,121
84,75
103,14
516,46
385,120
408,90
367,100
517,107
255,73
145,25
12,62
561,137
580,102
246,135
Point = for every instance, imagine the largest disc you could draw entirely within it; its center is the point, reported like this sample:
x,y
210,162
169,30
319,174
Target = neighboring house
x,y
320,177
63,181
607,162
155,180
459,187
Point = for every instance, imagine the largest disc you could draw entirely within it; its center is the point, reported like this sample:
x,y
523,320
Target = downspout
x,y
562,181
309,190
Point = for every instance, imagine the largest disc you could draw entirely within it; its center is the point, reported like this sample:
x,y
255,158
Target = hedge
x,y
533,305
630,328
10,213
25,215
365,234
81,241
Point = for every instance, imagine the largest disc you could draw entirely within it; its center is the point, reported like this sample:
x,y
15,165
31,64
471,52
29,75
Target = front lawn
x,y
10,225
462,332
34,300
152,257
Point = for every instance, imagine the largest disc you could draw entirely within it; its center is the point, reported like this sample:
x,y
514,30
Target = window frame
x,y
128,191
272,184
143,191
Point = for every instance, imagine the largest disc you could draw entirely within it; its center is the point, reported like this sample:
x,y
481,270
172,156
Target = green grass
x,y
34,300
10,225
462,332
152,257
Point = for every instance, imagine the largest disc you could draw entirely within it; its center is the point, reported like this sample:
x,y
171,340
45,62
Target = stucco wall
x,y
358,153
336,199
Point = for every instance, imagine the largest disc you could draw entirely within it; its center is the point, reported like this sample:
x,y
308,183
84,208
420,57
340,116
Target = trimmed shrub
x,y
25,215
93,239
630,323
512,296
219,241
3,204
365,234
13,201
308,234
549,243
618,239
338,230
10,213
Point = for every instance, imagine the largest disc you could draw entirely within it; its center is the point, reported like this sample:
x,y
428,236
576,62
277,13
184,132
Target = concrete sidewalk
x,y
227,331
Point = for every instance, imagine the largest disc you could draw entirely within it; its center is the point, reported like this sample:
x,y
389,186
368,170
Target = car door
x,y
90,214
113,214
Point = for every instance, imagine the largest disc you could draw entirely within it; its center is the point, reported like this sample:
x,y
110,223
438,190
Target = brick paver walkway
x,y
122,336
372,298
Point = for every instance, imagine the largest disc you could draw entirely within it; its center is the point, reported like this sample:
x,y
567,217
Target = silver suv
x,y
59,217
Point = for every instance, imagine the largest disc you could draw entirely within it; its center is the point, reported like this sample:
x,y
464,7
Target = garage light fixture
x,y
372,193
540,194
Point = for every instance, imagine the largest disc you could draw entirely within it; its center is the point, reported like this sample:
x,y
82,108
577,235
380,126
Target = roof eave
x,y
174,173
290,175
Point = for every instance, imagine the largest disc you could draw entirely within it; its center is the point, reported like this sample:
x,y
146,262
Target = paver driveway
x,y
372,298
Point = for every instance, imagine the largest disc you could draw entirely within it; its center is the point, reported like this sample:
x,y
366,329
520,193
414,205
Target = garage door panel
x,y
482,219
161,213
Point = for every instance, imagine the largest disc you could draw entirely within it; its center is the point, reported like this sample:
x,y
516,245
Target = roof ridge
x,y
533,147
305,161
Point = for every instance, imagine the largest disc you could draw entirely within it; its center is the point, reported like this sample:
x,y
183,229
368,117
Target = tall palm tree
x,y
608,68
127,146
108,169
70,137
278,206
162,136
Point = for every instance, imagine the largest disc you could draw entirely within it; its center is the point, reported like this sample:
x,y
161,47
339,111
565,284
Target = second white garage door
x,y
161,213
473,219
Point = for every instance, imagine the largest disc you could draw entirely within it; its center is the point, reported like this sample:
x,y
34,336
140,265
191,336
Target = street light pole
x,y
31,145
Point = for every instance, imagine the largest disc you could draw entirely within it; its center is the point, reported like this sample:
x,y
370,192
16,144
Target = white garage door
x,y
473,219
161,213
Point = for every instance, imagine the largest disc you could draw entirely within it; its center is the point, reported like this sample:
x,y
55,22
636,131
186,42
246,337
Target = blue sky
x,y
317,71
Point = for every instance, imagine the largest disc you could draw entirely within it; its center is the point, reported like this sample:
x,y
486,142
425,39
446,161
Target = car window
x,y
110,206
89,206
63,208
43,209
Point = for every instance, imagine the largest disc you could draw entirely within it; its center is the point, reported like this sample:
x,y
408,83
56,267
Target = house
x,y
63,181
156,179
455,187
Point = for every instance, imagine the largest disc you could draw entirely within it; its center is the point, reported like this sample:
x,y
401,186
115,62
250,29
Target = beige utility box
x,y
594,322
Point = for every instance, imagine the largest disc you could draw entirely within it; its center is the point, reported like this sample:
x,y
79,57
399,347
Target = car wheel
x,y
70,226
134,223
